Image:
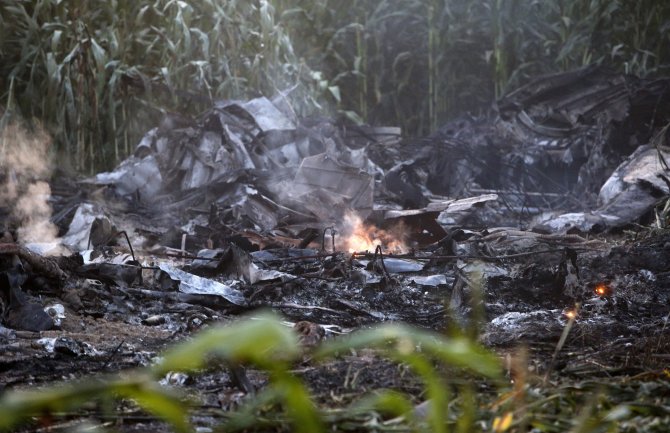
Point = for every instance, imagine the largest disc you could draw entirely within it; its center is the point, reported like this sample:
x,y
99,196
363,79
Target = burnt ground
x,y
619,338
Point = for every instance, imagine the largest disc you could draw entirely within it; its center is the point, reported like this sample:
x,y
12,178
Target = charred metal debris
x,y
501,222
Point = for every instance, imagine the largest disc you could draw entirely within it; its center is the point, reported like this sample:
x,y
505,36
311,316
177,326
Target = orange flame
x,y
358,236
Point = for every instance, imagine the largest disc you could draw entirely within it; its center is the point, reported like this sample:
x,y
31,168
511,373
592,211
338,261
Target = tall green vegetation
x,y
428,60
97,73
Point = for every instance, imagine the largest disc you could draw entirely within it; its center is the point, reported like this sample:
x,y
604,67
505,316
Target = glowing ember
x,y
570,314
358,236
601,289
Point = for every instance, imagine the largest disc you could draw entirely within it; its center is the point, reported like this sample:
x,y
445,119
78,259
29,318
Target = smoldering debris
x,y
539,162
501,223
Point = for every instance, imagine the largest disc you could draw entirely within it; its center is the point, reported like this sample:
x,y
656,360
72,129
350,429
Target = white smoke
x,y
25,167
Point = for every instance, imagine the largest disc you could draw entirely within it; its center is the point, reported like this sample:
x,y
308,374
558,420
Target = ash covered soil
x,y
619,337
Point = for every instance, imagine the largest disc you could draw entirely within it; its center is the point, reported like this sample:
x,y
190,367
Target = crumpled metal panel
x,y
135,175
190,283
643,166
264,113
353,187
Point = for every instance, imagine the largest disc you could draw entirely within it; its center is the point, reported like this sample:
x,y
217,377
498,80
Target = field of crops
x,y
98,74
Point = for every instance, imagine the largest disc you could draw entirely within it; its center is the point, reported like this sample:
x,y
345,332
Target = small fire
x,y
358,236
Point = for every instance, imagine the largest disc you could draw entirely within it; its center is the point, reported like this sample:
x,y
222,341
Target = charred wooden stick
x,y
112,355
380,254
123,232
305,307
297,259
43,265
465,256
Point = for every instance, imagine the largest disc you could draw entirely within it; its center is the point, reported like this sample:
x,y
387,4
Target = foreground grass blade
x,y
19,406
401,339
261,341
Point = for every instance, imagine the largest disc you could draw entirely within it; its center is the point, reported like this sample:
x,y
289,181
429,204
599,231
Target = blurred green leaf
x,y
403,340
158,401
261,341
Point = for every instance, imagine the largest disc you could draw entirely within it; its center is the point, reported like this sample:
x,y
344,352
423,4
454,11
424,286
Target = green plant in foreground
x,y
266,344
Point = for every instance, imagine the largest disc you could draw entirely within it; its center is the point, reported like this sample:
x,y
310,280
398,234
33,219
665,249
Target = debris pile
x,y
488,224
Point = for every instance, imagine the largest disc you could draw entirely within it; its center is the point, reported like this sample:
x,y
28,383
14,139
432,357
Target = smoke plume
x,y
24,192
